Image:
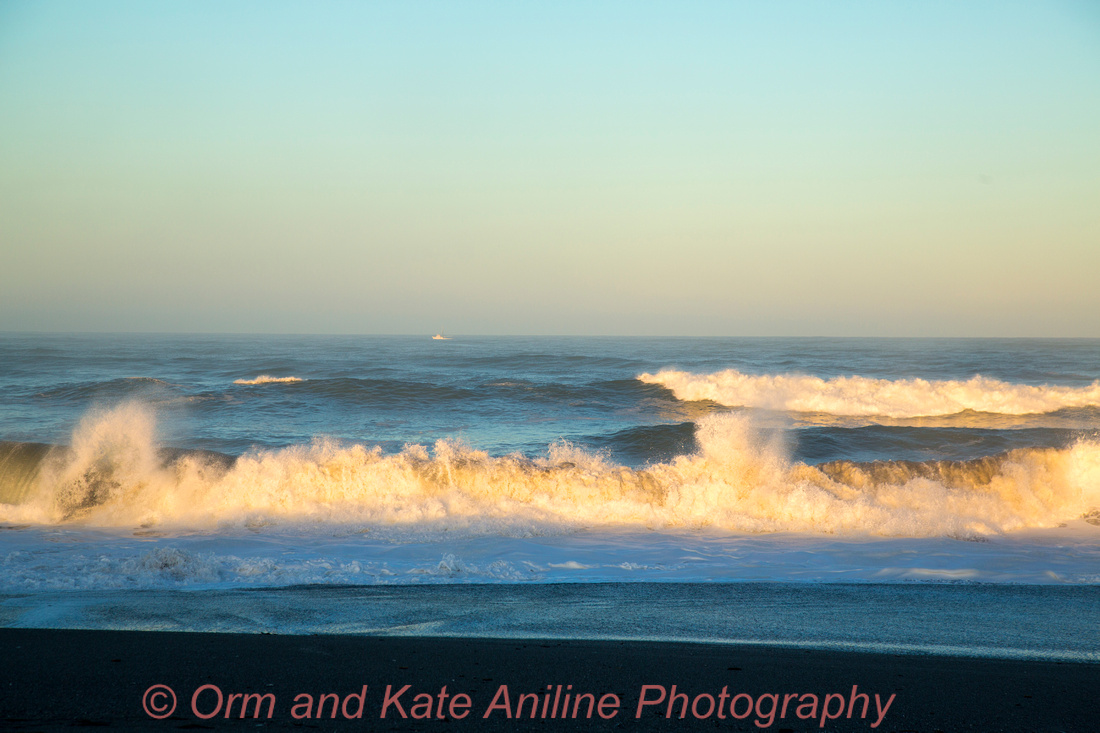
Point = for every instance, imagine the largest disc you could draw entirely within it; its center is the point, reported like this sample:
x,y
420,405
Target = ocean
x,y
680,488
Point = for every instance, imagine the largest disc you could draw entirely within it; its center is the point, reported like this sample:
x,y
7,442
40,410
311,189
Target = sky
x,y
590,168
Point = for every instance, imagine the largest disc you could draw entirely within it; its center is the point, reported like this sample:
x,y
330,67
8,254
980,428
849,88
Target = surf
x,y
738,480
865,396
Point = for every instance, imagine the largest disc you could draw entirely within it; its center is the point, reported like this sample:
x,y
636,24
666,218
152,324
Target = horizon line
x,y
459,336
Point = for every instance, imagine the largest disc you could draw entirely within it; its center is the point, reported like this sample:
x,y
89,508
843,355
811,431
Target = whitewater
x,y
203,463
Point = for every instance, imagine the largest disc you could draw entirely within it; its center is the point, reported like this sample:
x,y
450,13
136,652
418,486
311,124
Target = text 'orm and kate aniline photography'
x,y
560,366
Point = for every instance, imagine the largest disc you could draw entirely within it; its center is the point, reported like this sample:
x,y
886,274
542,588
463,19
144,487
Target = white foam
x,y
856,395
267,379
736,482
75,559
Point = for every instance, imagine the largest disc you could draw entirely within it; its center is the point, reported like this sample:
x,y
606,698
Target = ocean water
x,y
216,465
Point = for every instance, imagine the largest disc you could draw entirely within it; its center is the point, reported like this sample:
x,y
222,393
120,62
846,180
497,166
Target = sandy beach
x,y
61,679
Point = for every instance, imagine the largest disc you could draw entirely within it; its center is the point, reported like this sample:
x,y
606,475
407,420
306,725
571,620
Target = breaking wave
x,y
114,475
267,379
864,396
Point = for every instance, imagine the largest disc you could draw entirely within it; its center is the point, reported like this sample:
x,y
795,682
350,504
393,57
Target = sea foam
x,y
857,395
267,379
737,481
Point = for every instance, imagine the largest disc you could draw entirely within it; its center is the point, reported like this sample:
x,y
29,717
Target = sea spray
x,y
738,481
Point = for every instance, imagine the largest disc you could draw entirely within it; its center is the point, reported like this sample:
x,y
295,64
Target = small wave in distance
x,y
267,379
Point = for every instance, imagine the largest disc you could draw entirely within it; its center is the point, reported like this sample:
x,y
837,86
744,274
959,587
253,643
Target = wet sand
x,y
61,679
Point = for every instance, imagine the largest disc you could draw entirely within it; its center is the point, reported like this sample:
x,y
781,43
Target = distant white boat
x,y
440,337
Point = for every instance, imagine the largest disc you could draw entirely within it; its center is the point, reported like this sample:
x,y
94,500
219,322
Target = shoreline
x,y
61,678
1043,623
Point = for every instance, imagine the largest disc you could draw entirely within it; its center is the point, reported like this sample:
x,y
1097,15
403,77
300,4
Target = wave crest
x,y
267,379
738,481
865,396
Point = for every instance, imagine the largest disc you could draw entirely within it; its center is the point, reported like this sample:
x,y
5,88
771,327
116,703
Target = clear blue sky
x,y
698,168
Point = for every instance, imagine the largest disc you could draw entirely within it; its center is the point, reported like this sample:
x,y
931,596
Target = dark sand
x,y
60,680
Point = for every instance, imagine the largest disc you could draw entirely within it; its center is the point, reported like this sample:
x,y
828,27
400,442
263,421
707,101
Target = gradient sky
x,y
698,168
